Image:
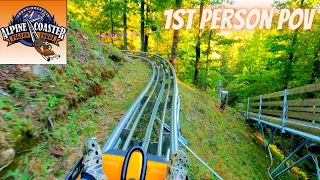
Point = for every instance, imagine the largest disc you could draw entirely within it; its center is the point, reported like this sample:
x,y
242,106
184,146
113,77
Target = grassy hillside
x,y
223,139
84,98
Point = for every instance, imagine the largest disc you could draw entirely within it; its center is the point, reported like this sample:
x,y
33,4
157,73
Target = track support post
x,y
260,106
292,165
284,110
287,159
248,105
314,107
271,138
315,159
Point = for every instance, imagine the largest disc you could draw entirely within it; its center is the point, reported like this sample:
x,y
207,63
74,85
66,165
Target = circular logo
x,y
32,14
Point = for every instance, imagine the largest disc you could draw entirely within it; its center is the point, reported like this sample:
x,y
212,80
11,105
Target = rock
x,y
4,93
126,58
51,122
41,71
25,69
101,60
6,157
34,95
85,37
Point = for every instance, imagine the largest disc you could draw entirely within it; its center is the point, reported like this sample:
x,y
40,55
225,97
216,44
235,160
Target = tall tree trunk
x,y
175,40
207,63
174,50
197,64
125,28
146,39
316,65
146,36
198,52
315,74
142,26
288,68
112,30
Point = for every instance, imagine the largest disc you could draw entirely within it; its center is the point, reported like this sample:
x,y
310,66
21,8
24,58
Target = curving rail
x,y
145,123
167,102
161,93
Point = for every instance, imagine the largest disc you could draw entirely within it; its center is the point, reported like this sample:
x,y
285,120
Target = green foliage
x,y
72,41
16,87
247,63
74,25
52,101
270,60
1,103
8,115
17,175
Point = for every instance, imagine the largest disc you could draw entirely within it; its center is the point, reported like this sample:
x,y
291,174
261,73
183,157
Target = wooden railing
x,y
297,115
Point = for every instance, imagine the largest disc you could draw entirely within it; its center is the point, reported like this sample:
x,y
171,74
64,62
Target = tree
x,y
146,36
112,30
125,27
315,75
142,25
207,62
198,53
288,70
175,40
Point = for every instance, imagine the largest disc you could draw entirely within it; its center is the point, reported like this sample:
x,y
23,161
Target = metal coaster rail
x,y
161,73
157,101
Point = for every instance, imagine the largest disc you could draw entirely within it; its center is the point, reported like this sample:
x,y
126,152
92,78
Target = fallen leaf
x,y
62,148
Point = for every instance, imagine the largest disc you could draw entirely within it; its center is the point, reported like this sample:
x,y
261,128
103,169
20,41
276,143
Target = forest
x,y
244,62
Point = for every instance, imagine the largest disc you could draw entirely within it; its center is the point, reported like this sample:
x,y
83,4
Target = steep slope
x,y
230,146
47,117
222,139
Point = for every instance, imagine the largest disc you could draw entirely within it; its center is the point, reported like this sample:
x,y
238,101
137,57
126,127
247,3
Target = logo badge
x,y
34,27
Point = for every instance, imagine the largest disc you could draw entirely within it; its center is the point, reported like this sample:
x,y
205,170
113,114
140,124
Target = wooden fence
x,y
297,115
